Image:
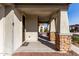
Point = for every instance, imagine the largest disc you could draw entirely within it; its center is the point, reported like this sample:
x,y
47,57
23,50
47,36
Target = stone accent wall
x,y
63,42
52,36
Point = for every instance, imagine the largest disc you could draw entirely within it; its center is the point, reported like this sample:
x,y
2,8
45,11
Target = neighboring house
x,y
74,28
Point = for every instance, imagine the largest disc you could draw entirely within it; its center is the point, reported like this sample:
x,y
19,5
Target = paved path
x,y
75,48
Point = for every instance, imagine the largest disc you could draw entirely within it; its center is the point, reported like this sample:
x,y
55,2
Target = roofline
x,y
41,3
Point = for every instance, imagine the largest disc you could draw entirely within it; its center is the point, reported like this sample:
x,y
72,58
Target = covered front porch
x,y
21,28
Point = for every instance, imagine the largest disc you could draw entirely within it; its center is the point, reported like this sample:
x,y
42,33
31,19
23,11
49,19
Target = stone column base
x,y
52,36
63,42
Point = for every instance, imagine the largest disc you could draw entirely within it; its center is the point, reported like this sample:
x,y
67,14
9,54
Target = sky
x,y
73,13
45,24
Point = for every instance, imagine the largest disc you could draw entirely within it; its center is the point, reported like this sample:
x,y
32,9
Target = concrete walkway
x,y
42,45
35,47
75,48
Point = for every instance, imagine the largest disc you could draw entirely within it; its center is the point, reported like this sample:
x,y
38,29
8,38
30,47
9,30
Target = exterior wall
x,y
64,25
2,11
31,29
17,29
8,29
13,29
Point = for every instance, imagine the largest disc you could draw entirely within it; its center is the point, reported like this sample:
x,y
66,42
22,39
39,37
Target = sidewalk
x,y
75,48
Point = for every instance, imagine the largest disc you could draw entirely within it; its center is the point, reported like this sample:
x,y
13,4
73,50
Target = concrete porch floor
x,y
39,49
42,47
36,47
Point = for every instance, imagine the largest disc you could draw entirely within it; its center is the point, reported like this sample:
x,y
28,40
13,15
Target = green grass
x,y
75,38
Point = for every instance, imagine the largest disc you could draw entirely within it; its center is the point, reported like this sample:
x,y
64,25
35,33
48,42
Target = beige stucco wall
x,y
13,33
2,10
55,22
8,45
31,29
17,29
52,25
61,22
64,23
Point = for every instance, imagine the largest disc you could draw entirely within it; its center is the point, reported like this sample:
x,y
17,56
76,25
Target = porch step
x,y
71,53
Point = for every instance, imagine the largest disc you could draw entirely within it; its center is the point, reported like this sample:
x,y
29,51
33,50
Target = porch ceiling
x,y
38,11
44,11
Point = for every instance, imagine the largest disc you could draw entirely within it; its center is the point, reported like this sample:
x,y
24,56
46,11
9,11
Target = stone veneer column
x,y
63,42
63,38
52,30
